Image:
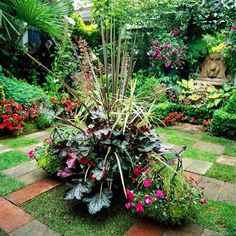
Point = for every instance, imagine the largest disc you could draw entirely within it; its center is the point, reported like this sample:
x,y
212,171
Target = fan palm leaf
x,y
48,17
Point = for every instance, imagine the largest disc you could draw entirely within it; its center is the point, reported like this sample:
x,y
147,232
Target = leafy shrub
x,y
217,97
223,124
168,51
163,109
231,104
19,91
197,112
192,93
2,94
44,120
149,87
88,32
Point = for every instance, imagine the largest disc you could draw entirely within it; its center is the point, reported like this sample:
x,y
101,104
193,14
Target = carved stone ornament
x,y
213,70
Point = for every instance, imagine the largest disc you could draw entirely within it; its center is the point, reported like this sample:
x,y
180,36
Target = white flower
x,y
70,20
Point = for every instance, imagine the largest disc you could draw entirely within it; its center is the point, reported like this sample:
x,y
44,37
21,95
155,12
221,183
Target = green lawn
x,y
230,150
222,172
218,216
18,142
1,233
196,154
165,131
12,158
9,185
180,141
213,139
51,209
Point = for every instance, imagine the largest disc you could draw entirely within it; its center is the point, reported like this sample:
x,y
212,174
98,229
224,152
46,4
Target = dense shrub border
x,y
223,124
20,91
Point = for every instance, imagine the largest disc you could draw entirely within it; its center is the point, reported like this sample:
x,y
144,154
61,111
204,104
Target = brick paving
x,y
12,217
32,191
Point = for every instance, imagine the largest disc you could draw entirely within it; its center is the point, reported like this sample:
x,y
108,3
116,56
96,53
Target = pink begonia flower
x,y
127,205
31,154
204,201
159,193
64,173
9,110
71,160
147,183
148,200
139,207
130,195
133,180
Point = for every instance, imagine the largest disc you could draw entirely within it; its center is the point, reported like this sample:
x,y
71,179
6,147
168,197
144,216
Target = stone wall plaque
x,y
213,70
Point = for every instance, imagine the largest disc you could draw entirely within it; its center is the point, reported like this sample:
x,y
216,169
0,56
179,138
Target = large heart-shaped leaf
x,y
78,192
98,174
99,201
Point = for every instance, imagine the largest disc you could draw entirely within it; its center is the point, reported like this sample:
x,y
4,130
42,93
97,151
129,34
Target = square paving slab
x,y
209,147
227,160
199,167
34,228
22,169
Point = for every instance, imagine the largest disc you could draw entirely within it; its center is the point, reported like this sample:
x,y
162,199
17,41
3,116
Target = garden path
x,y
202,162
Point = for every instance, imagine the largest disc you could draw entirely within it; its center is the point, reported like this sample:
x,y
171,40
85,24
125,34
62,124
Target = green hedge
x,y
223,124
163,109
230,106
20,91
197,112
2,94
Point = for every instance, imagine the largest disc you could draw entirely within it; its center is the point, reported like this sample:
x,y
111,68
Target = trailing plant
x,y
163,194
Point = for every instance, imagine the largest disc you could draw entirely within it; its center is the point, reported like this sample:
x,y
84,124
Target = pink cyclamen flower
x,y
64,173
71,160
233,27
139,207
159,193
147,183
148,200
204,201
127,205
130,195
31,154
